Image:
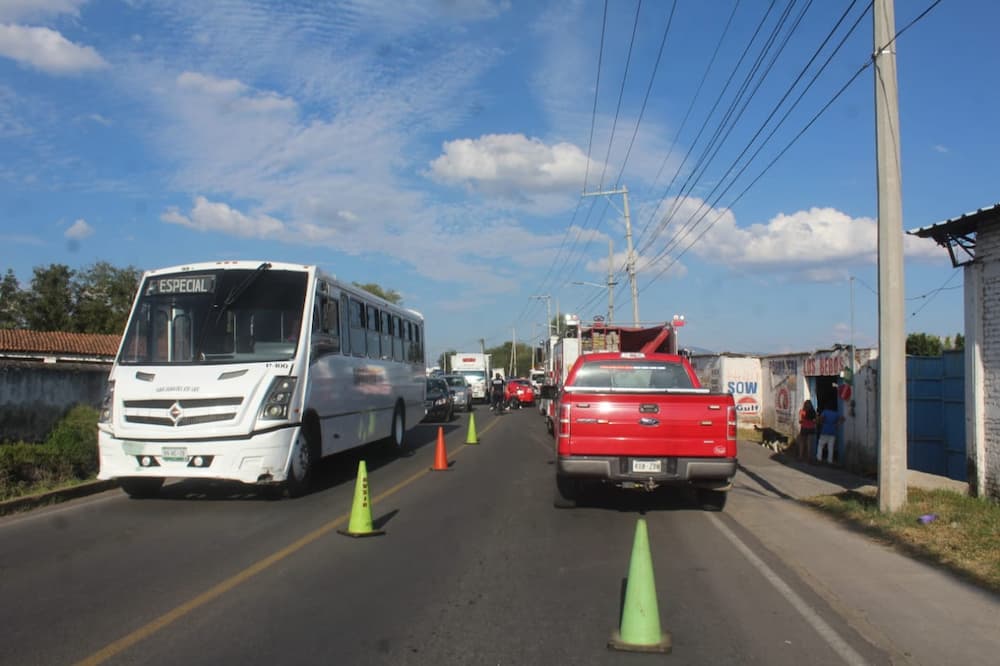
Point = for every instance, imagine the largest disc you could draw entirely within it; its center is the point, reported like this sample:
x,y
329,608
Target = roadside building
x,y
973,243
44,374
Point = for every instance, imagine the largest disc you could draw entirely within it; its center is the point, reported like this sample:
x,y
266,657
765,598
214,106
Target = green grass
x,y
67,458
964,537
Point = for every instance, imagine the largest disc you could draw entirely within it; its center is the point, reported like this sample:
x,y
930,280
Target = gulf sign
x,y
748,405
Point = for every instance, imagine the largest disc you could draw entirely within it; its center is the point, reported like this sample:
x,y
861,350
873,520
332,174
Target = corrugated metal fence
x,y
935,414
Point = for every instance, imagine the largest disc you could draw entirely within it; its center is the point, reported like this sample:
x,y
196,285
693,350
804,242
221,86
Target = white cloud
x,y
22,10
940,149
79,230
818,244
219,217
47,50
99,119
236,95
502,163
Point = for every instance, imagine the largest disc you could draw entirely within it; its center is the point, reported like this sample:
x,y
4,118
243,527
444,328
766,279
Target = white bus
x,y
252,372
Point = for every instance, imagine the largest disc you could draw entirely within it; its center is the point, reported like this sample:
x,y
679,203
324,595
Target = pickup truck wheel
x,y
567,493
712,500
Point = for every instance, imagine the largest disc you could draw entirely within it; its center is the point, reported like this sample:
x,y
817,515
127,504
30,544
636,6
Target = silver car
x,y
461,391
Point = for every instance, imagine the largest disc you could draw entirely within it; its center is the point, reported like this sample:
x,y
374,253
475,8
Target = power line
x,y
621,94
593,121
797,136
692,223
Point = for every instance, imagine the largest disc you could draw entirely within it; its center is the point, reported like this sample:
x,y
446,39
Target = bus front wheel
x,y
303,464
398,429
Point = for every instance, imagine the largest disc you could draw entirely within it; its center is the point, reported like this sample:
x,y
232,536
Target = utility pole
x,y
630,262
611,281
548,311
513,353
891,342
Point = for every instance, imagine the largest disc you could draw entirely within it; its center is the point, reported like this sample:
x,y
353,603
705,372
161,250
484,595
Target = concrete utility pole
x,y
891,338
548,311
630,262
611,281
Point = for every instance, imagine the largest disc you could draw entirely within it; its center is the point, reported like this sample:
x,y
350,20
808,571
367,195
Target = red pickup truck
x,y
639,420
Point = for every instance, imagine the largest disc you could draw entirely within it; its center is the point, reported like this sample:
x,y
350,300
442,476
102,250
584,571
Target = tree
x,y
48,303
103,296
500,357
922,344
11,309
959,342
390,295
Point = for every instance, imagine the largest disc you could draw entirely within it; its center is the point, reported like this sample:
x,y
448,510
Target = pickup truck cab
x,y
638,420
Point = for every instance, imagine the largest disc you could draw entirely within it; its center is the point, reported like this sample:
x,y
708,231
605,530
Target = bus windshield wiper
x,y
238,290
231,298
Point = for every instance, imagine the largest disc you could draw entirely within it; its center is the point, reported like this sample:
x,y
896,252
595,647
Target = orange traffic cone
x,y
440,454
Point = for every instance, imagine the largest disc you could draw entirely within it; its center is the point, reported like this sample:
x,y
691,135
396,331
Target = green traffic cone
x,y
640,628
471,438
361,511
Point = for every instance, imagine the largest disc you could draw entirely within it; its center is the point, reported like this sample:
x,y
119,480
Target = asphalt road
x,y
476,567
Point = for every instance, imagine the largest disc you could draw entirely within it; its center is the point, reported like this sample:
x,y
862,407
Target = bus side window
x,y
418,347
331,324
409,342
372,326
357,327
385,329
345,323
397,338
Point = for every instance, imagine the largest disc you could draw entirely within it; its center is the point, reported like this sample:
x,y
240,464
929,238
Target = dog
x,y
772,439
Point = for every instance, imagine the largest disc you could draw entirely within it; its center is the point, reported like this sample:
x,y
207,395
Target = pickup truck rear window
x,y
629,374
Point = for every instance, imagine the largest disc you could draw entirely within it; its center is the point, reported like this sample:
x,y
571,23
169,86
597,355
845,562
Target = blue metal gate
x,y
935,414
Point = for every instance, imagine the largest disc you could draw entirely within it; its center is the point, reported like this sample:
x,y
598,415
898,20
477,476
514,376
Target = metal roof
x,y
959,232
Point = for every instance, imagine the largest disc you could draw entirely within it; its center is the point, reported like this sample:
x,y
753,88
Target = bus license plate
x,y
646,465
175,453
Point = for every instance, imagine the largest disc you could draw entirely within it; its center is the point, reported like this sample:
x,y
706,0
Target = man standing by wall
x,y
829,419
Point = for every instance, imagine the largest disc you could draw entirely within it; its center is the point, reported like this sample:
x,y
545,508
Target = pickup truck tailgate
x,y
654,425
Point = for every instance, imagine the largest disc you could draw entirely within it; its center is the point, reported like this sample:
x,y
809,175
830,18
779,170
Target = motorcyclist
x,y
497,393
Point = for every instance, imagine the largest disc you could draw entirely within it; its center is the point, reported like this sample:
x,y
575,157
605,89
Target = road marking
x,y
828,633
232,582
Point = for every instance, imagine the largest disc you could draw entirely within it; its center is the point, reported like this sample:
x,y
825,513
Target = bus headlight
x,y
279,396
107,403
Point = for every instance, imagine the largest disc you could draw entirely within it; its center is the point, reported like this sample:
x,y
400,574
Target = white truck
x,y
476,368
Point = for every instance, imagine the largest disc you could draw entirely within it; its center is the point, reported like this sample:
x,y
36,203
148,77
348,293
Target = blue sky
x,y
440,148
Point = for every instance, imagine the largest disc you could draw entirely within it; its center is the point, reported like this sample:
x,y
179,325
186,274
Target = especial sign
x,y
187,284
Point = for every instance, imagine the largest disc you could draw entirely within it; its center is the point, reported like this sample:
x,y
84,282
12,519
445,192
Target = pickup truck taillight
x,y
564,421
731,423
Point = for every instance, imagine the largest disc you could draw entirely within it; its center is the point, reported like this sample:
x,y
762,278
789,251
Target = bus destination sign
x,y
188,284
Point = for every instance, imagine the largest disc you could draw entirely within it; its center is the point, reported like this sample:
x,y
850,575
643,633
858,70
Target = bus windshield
x,y
216,316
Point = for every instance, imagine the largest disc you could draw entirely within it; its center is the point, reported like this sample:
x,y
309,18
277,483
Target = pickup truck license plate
x,y
175,453
646,465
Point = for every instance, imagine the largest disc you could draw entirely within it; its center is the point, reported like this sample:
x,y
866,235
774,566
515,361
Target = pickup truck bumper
x,y
708,472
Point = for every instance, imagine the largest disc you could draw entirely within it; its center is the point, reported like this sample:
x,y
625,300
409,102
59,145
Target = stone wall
x,y
34,396
988,254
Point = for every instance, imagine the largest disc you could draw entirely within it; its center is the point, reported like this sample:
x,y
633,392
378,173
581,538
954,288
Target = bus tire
x,y
302,466
398,429
141,487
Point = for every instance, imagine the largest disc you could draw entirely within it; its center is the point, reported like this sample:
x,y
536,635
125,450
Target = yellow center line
x,y
228,584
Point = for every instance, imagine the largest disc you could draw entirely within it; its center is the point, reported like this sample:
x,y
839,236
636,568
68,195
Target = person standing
x,y
829,419
497,390
807,429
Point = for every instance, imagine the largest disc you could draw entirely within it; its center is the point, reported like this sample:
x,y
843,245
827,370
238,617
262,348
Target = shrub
x,y
74,440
